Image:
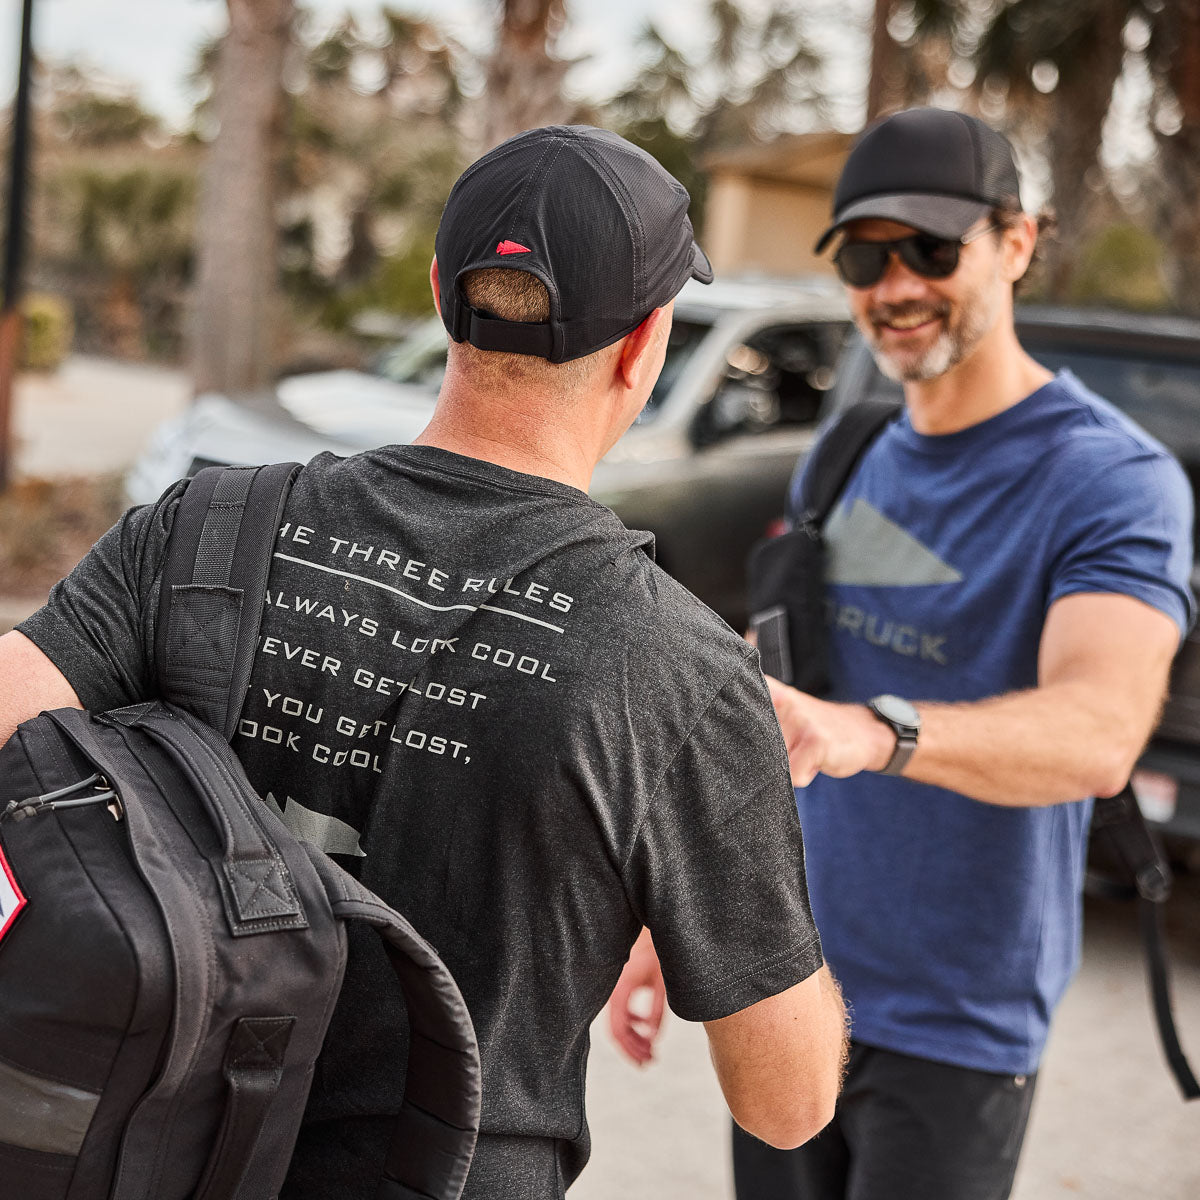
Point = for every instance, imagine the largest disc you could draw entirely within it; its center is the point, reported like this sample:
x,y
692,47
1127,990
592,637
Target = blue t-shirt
x,y
953,925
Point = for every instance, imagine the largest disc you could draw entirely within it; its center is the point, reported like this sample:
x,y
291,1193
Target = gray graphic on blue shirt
x,y
906,640
868,550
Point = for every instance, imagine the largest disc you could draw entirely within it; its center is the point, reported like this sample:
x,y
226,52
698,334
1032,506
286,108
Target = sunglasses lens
x,y
933,257
861,264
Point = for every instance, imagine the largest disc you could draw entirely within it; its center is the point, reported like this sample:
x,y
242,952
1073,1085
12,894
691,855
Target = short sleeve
x,y
717,869
1128,531
98,624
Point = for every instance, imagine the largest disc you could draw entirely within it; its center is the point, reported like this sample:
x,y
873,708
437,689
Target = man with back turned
x,y
476,690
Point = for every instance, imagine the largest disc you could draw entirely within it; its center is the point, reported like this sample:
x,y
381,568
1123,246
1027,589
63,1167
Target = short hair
x,y
515,295
1006,216
512,295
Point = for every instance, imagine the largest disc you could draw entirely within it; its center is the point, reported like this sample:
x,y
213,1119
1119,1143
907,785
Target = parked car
x,y
1148,366
748,368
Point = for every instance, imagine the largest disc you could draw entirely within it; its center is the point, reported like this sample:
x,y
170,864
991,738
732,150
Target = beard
x,y
964,326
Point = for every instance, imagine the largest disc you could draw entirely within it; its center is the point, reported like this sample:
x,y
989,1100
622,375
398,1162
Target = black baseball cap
x,y
597,220
936,170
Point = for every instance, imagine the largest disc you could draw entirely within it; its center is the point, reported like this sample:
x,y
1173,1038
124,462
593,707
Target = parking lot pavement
x,y
93,416
1108,1122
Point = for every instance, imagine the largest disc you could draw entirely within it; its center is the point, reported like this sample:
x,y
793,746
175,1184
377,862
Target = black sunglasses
x,y
862,264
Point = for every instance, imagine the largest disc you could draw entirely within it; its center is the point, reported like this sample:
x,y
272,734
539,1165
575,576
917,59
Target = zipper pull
x,y
31,806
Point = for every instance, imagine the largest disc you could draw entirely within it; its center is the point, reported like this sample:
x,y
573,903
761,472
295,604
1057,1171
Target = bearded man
x,y
1007,582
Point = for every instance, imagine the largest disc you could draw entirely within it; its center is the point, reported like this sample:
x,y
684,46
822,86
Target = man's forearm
x,y
780,1062
1031,748
1102,668
1043,746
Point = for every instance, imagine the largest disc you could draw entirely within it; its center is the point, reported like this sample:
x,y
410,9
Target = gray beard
x,y
955,342
945,353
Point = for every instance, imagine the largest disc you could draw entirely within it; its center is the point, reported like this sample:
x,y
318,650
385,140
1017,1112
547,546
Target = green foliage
x,y
331,59
759,76
90,119
1121,266
47,332
420,179
400,284
309,128
137,219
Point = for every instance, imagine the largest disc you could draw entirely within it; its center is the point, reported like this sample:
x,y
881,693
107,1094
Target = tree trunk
x,y
1179,157
235,297
1078,107
524,83
883,58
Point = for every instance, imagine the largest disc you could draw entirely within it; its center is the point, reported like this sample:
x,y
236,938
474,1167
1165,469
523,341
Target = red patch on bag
x,y
12,899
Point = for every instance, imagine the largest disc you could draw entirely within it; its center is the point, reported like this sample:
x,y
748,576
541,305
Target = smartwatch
x,y
905,723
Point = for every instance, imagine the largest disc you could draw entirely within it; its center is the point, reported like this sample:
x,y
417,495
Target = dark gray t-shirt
x,y
476,690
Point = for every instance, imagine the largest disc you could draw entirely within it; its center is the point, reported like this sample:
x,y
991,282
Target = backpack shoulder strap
x,y
435,1131
214,576
839,451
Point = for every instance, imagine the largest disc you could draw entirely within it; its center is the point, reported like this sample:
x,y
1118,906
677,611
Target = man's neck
x,y
509,436
998,375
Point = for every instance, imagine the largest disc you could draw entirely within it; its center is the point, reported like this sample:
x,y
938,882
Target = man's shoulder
x,y
665,624
1093,429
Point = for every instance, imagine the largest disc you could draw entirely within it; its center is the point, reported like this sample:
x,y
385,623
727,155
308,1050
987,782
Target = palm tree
x,y
760,76
524,79
1077,47
386,152
1174,56
882,56
233,326
904,73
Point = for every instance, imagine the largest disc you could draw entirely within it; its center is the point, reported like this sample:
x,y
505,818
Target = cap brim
x,y
943,216
701,267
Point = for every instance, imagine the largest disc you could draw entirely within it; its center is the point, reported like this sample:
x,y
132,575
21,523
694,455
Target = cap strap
x,y
515,337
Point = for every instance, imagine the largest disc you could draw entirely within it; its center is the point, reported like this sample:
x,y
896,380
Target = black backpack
x,y
786,593
170,953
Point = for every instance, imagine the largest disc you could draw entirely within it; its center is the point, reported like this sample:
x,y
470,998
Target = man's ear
x,y
434,283
1020,240
638,350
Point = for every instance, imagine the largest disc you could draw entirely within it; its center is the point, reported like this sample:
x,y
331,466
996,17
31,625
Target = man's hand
x,y
833,739
634,1031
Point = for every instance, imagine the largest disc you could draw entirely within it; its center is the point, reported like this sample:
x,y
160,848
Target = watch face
x,y
897,710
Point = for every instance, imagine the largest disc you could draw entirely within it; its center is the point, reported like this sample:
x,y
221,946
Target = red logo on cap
x,y
507,247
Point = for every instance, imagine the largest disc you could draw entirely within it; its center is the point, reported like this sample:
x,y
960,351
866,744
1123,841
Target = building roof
x,y
806,159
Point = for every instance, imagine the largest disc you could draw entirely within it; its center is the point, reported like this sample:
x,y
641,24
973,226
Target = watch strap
x,y
905,745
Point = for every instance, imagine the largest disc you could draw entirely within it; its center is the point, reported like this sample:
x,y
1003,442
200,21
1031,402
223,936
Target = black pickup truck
x,y
1149,366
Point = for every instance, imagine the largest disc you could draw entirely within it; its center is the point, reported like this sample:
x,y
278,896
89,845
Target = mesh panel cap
x,y
597,220
936,170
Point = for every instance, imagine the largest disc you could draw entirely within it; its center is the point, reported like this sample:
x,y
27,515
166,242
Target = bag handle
x,y
434,1136
256,886
253,1071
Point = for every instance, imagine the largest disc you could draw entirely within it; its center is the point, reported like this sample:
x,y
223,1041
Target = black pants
x,y
905,1129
